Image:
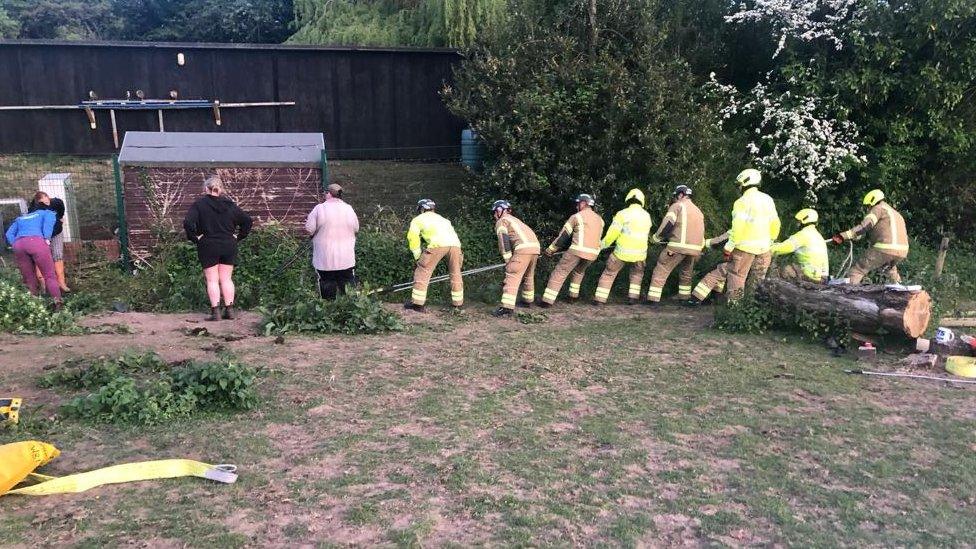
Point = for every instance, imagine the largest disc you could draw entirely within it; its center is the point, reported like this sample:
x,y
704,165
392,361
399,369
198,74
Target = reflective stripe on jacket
x,y
629,230
885,227
514,236
580,235
683,227
432,229
755,223
811,252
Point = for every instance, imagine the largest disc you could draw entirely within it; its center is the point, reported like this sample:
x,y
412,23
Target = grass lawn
x,y
612,426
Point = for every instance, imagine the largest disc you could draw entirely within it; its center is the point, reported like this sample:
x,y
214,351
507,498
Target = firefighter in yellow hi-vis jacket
x,y
520,250
808,248
886,230
683,228
628,234
580,237
755,225
441,241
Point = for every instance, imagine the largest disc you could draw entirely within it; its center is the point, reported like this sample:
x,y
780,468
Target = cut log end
x,y
918,313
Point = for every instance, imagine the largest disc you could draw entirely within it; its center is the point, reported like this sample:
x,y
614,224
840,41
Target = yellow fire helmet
x,y
807,216
749,177
873,197
636,194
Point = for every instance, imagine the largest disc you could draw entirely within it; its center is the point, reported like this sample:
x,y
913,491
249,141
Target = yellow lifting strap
x,y
20,459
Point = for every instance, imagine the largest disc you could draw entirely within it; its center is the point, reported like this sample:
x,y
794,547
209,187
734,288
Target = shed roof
x,y
206,149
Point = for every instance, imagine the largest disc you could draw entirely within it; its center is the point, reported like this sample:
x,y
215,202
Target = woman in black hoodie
x,y
215,224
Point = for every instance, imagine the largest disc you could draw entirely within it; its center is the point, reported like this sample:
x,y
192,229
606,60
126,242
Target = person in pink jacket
x,y
333,225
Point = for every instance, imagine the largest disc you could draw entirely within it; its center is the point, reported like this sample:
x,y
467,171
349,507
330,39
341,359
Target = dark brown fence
x,y
369,103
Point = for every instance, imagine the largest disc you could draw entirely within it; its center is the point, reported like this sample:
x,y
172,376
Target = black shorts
x,y
217,252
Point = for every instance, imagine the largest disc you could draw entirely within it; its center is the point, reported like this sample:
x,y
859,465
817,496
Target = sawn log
x,y
868,309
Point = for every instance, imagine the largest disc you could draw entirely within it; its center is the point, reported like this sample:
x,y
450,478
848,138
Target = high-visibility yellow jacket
x,y
886,229
811,252
432,229
580,235
514,236
683,227
755,223
629,230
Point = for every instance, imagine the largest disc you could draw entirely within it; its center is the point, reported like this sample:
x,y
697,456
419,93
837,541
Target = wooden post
x,y
940,260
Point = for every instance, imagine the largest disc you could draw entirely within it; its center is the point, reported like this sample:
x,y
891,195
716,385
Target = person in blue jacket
x,y
30,236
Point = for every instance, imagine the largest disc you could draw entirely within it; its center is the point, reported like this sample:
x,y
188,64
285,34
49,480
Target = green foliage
x,y
250,21
22,313
561,114
747,315
82,373
173,280
905,77
455,23
142,389
9,28
353,313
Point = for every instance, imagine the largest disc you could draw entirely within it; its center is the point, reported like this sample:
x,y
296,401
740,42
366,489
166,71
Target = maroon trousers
x,y
31,251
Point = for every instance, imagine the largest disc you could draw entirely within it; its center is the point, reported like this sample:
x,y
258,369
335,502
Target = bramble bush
x,y
353,313
143,389
22,313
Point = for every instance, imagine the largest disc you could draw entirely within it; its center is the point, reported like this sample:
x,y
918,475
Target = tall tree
x,y
454,23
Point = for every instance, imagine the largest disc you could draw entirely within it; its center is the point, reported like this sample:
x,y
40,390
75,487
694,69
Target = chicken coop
x,y
274,177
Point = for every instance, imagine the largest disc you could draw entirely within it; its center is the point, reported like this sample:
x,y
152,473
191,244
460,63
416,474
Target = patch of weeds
x,y
295,530
363,514
143,389
627,528
412,536
746,315
84,303
22,313
354,313
532,318
85,373
122,329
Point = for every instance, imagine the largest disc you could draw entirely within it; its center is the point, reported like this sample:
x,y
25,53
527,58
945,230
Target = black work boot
x,y
214,314
502,311
544,304
693,302
411,306
523,304
596,303
652,304
228,312
633,300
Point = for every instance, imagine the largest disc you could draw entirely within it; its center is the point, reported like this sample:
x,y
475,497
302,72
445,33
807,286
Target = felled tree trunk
x,y
867,309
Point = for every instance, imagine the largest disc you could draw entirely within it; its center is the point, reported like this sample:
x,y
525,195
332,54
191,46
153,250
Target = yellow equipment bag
x,y
962,366
21,465
18,460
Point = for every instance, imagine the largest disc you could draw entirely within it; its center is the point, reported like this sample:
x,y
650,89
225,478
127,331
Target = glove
x,y
549,252
838,239
727,255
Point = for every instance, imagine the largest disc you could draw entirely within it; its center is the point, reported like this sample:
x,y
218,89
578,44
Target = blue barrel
x,y
472,150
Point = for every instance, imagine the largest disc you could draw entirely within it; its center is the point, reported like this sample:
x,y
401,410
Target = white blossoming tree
x,y
797,136
806,20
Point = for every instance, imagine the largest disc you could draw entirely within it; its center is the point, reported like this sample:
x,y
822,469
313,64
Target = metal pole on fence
x,y
120,212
